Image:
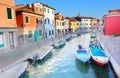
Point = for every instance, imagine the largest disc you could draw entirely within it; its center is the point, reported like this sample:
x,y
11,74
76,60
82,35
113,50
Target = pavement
x,y
13,57
111,46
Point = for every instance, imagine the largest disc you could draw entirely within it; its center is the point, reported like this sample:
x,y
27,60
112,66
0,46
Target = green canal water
x,y
62,63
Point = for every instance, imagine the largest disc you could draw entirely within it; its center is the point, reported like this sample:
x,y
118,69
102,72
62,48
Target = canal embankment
x,y
22,53
111,46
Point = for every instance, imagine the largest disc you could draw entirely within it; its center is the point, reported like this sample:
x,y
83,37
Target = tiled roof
x,y
48,6
71,19
59,16
22,8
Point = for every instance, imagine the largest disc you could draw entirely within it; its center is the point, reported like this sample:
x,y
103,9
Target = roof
x,y
59,16
48,6
72,19
22,8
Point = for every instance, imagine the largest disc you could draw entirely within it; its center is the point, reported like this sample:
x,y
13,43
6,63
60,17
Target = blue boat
x,y
98,56
82,55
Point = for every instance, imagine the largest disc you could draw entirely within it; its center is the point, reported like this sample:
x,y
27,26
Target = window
x,y
48,10
30,34
52,12
48,21
45,21
36,20
52,32
1,40
36,9
40,32
49,32
41,21
44,9
27,19
57,23
40,9
9,13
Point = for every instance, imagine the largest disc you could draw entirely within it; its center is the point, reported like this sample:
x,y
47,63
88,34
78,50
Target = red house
x,y
112,22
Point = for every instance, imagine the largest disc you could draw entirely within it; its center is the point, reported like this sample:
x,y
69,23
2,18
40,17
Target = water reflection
x,y
83,68
62,63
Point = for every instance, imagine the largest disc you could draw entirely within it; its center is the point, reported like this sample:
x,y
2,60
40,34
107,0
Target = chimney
x,y
29,5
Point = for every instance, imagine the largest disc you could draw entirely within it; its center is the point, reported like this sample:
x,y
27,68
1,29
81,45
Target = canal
x,y
62,63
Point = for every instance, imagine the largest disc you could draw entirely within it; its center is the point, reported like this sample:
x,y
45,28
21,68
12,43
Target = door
x,y
11,37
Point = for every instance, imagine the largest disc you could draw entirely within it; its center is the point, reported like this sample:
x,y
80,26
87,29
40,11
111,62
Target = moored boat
x,y
98,56
82,55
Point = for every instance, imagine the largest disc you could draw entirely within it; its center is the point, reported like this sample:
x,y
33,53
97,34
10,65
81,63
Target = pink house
x,y
112,22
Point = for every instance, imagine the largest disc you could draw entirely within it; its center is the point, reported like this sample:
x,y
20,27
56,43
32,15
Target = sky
x,y
70,8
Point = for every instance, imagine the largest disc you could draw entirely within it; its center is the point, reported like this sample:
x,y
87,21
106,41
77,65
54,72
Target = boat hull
x,y
82,56
99,57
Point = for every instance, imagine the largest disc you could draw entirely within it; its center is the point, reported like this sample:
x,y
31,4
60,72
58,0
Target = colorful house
x,y
49,25
8,27
73,24
86,22
112,22
66,25
29,22
59,24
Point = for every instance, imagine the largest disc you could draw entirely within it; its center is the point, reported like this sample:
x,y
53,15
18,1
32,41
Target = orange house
x,y
28,22
8,27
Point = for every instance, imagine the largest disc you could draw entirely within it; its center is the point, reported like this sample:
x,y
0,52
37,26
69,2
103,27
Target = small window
x,y
44,9
1,40
30,34
49,32
52,12
36,9
48,10
36,20
52,32
40,9
9,13
45,21
27,19
48,21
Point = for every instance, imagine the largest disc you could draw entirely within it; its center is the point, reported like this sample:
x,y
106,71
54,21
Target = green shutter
x,y
40,9
44,9
49,32
40,32
52,32
48,10
9,13
27,20
36,9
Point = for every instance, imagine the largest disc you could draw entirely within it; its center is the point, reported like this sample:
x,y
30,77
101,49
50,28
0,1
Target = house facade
x,y
111,22
66,25
73,24
59,24
49,22
86,22
8,27
29,23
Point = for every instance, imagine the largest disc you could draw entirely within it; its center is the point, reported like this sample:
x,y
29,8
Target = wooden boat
x,y
82,54
98,56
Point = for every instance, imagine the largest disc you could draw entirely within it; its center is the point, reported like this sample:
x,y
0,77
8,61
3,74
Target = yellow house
x,y
74,24
59,24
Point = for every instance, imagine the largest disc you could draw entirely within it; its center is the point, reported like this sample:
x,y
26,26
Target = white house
x,y
49,25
